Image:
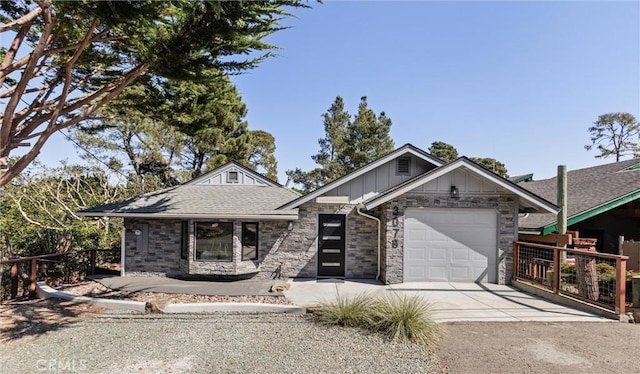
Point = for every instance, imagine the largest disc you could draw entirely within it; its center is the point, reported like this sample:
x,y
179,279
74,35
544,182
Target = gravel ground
x,y
95,289
265,343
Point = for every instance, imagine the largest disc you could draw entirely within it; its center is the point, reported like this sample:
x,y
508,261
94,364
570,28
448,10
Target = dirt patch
x,y
23,320
541,347
96,289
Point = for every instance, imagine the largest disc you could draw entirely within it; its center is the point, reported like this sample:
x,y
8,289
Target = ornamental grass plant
x,y
397,317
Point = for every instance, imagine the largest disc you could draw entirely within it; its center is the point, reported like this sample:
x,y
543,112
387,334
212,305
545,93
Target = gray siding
x,y
379,180
466,181
220,177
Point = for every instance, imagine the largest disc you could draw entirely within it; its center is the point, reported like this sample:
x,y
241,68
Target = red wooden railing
x,y
588,277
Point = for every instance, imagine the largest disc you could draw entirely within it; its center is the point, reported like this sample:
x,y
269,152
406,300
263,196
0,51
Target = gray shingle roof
x,y
198,200
587,189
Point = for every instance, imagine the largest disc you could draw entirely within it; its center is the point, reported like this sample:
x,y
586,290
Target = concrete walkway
x,y
450,302
171,285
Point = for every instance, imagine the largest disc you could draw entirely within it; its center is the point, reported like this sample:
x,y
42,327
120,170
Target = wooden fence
x,y
35,272
631,249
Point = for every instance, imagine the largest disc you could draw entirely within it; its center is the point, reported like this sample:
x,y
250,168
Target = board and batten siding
x,y
379,179
221,177
464,180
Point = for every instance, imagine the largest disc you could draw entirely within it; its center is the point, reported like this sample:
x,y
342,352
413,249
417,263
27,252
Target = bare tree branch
x,y
26,19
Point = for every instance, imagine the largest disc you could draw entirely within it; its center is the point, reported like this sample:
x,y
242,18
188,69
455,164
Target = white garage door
x,y
456,245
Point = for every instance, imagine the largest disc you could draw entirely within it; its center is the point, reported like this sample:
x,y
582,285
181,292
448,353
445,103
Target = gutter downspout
x,y
123,232
358,207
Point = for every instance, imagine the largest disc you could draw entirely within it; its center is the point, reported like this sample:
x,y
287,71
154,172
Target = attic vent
x,y
402,166
232,177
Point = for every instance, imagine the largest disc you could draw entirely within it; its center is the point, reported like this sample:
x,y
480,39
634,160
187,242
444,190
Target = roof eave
x,y
264,217
553,227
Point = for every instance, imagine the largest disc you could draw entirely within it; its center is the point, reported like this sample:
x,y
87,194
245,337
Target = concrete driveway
x,y
451,302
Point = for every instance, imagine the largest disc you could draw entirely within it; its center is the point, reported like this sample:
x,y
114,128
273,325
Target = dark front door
x,y
331,245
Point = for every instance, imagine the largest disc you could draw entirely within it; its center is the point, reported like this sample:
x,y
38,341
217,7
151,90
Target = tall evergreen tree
x,y
444,151
347,144
176,130
67,59
336,123
367,137
615,134
448,153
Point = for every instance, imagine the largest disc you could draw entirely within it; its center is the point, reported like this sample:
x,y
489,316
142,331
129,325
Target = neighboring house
x,y
603,202
406,216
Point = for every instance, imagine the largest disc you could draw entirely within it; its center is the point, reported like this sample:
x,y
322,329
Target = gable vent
x,y
232,177
402,166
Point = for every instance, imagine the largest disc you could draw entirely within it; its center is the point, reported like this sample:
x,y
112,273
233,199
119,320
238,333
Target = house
x,y
406,216
603,202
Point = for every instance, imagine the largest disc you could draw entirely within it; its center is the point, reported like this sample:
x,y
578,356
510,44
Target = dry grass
x,y
398,318
406,318
346,311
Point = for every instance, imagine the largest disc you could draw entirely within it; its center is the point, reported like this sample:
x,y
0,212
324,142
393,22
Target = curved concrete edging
x,y
46,292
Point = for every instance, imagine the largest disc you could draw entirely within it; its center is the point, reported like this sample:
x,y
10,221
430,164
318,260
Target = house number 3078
x,y
394,223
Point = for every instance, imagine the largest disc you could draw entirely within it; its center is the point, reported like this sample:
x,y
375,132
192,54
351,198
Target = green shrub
x,y
606,272
352,311
405,318
568,268
568,273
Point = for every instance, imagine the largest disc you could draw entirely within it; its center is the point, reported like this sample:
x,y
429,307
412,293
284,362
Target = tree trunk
x,y
586,274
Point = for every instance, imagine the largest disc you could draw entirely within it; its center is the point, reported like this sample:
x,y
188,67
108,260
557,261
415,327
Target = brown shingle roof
x,y
587,189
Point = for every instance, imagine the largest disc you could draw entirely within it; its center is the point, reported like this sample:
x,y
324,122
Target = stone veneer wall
x,y
507,207
163,253
294,252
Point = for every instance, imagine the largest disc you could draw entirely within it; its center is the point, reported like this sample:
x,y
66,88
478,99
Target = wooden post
x,y
621,284
556,269
516,265
635,291
33,278
14,280
586,271
92,261
561,223
620,245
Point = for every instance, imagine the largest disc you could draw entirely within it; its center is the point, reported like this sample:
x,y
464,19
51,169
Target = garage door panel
x,y
450,244
437,273
417,235
417,254
437,255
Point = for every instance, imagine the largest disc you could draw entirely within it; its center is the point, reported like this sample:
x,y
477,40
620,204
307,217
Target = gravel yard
x,y
96,289
116,343
52,336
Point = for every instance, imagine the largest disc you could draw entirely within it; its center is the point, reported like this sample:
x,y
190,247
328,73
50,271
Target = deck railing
x,y
29,270
592,277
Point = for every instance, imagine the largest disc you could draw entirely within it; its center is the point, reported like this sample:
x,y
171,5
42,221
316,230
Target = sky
x,y
519,81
